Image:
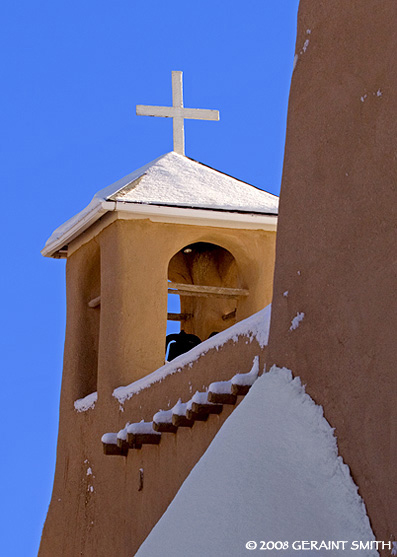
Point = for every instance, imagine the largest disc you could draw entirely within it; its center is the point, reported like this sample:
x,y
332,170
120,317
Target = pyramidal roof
x,y
172,180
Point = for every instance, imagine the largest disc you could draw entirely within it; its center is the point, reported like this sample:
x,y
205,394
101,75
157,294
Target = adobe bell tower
x,y
174,227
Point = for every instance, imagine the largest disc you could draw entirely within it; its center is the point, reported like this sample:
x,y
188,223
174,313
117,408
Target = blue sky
x,y
72,73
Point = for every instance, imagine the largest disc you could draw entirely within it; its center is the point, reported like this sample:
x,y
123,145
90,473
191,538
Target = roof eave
x,y
189,215
88,218
211,216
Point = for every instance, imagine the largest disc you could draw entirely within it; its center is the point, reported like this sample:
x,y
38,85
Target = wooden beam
x,y
179,316
229,315
222,398
240,389
205,291
95,302
114,450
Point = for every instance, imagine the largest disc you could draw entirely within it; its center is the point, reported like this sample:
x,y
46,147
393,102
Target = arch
x,y
205,264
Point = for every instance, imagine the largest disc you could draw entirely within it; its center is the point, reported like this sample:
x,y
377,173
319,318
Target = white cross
x,y
177,112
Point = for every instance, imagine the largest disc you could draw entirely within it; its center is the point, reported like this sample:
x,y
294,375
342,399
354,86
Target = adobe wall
x,y
135,255
104,513
336,244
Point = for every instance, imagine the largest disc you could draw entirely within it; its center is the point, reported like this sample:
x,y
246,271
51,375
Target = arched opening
x,y
204,277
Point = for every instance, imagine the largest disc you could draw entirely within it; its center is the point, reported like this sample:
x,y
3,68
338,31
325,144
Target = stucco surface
x,y
96,507
115,517
336,244
135,256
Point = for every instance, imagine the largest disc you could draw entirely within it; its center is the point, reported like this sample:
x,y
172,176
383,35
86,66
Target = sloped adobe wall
x,y
336,244
99,506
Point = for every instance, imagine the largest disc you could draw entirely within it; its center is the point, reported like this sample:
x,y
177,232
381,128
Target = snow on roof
x,y
179,181
271,473
172,180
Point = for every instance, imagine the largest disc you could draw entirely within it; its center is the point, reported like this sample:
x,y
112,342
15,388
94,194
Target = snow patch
x,y
295,62
285,294
89,471
305,45
122,434
200,398
177,181
221,387
86,403
109,438
255,327
276,456
142,428
296,320
163,417
248,379
180,408
394,548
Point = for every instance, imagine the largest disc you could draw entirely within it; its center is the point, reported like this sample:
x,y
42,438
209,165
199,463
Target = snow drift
x,y
272,473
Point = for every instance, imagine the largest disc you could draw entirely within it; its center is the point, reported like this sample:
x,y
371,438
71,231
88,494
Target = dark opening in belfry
x,y
205,278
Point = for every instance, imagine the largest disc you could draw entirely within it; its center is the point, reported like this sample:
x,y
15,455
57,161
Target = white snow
x,y
295,61
221,387
109,438
247,379
378,93
180,408
86,403
394,548
122,434
142,428
256,326
271,473
200,398
163,417
296,320
177,181
305,45
89,471
285,294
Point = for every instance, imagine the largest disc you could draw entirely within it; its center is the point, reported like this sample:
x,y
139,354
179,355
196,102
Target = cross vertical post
x,y
177,112
178,123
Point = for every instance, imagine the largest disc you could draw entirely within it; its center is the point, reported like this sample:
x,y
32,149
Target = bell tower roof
x,y
170,181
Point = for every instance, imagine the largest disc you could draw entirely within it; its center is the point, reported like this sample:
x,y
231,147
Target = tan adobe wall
x,y
102,513
336,244
115,517
134,269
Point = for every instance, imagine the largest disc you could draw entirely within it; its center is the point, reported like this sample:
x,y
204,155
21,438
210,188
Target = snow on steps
x,y
183,414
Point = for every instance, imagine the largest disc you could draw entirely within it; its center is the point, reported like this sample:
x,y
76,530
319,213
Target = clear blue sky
x,y
72,73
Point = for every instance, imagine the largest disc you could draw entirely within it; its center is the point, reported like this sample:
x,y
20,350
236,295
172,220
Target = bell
x,y
179,343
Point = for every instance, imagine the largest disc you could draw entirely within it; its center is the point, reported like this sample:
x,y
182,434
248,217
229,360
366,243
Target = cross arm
x,y
200,114
164,111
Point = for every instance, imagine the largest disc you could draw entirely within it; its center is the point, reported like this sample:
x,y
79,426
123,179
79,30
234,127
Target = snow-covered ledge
x,y
254,327
86,403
